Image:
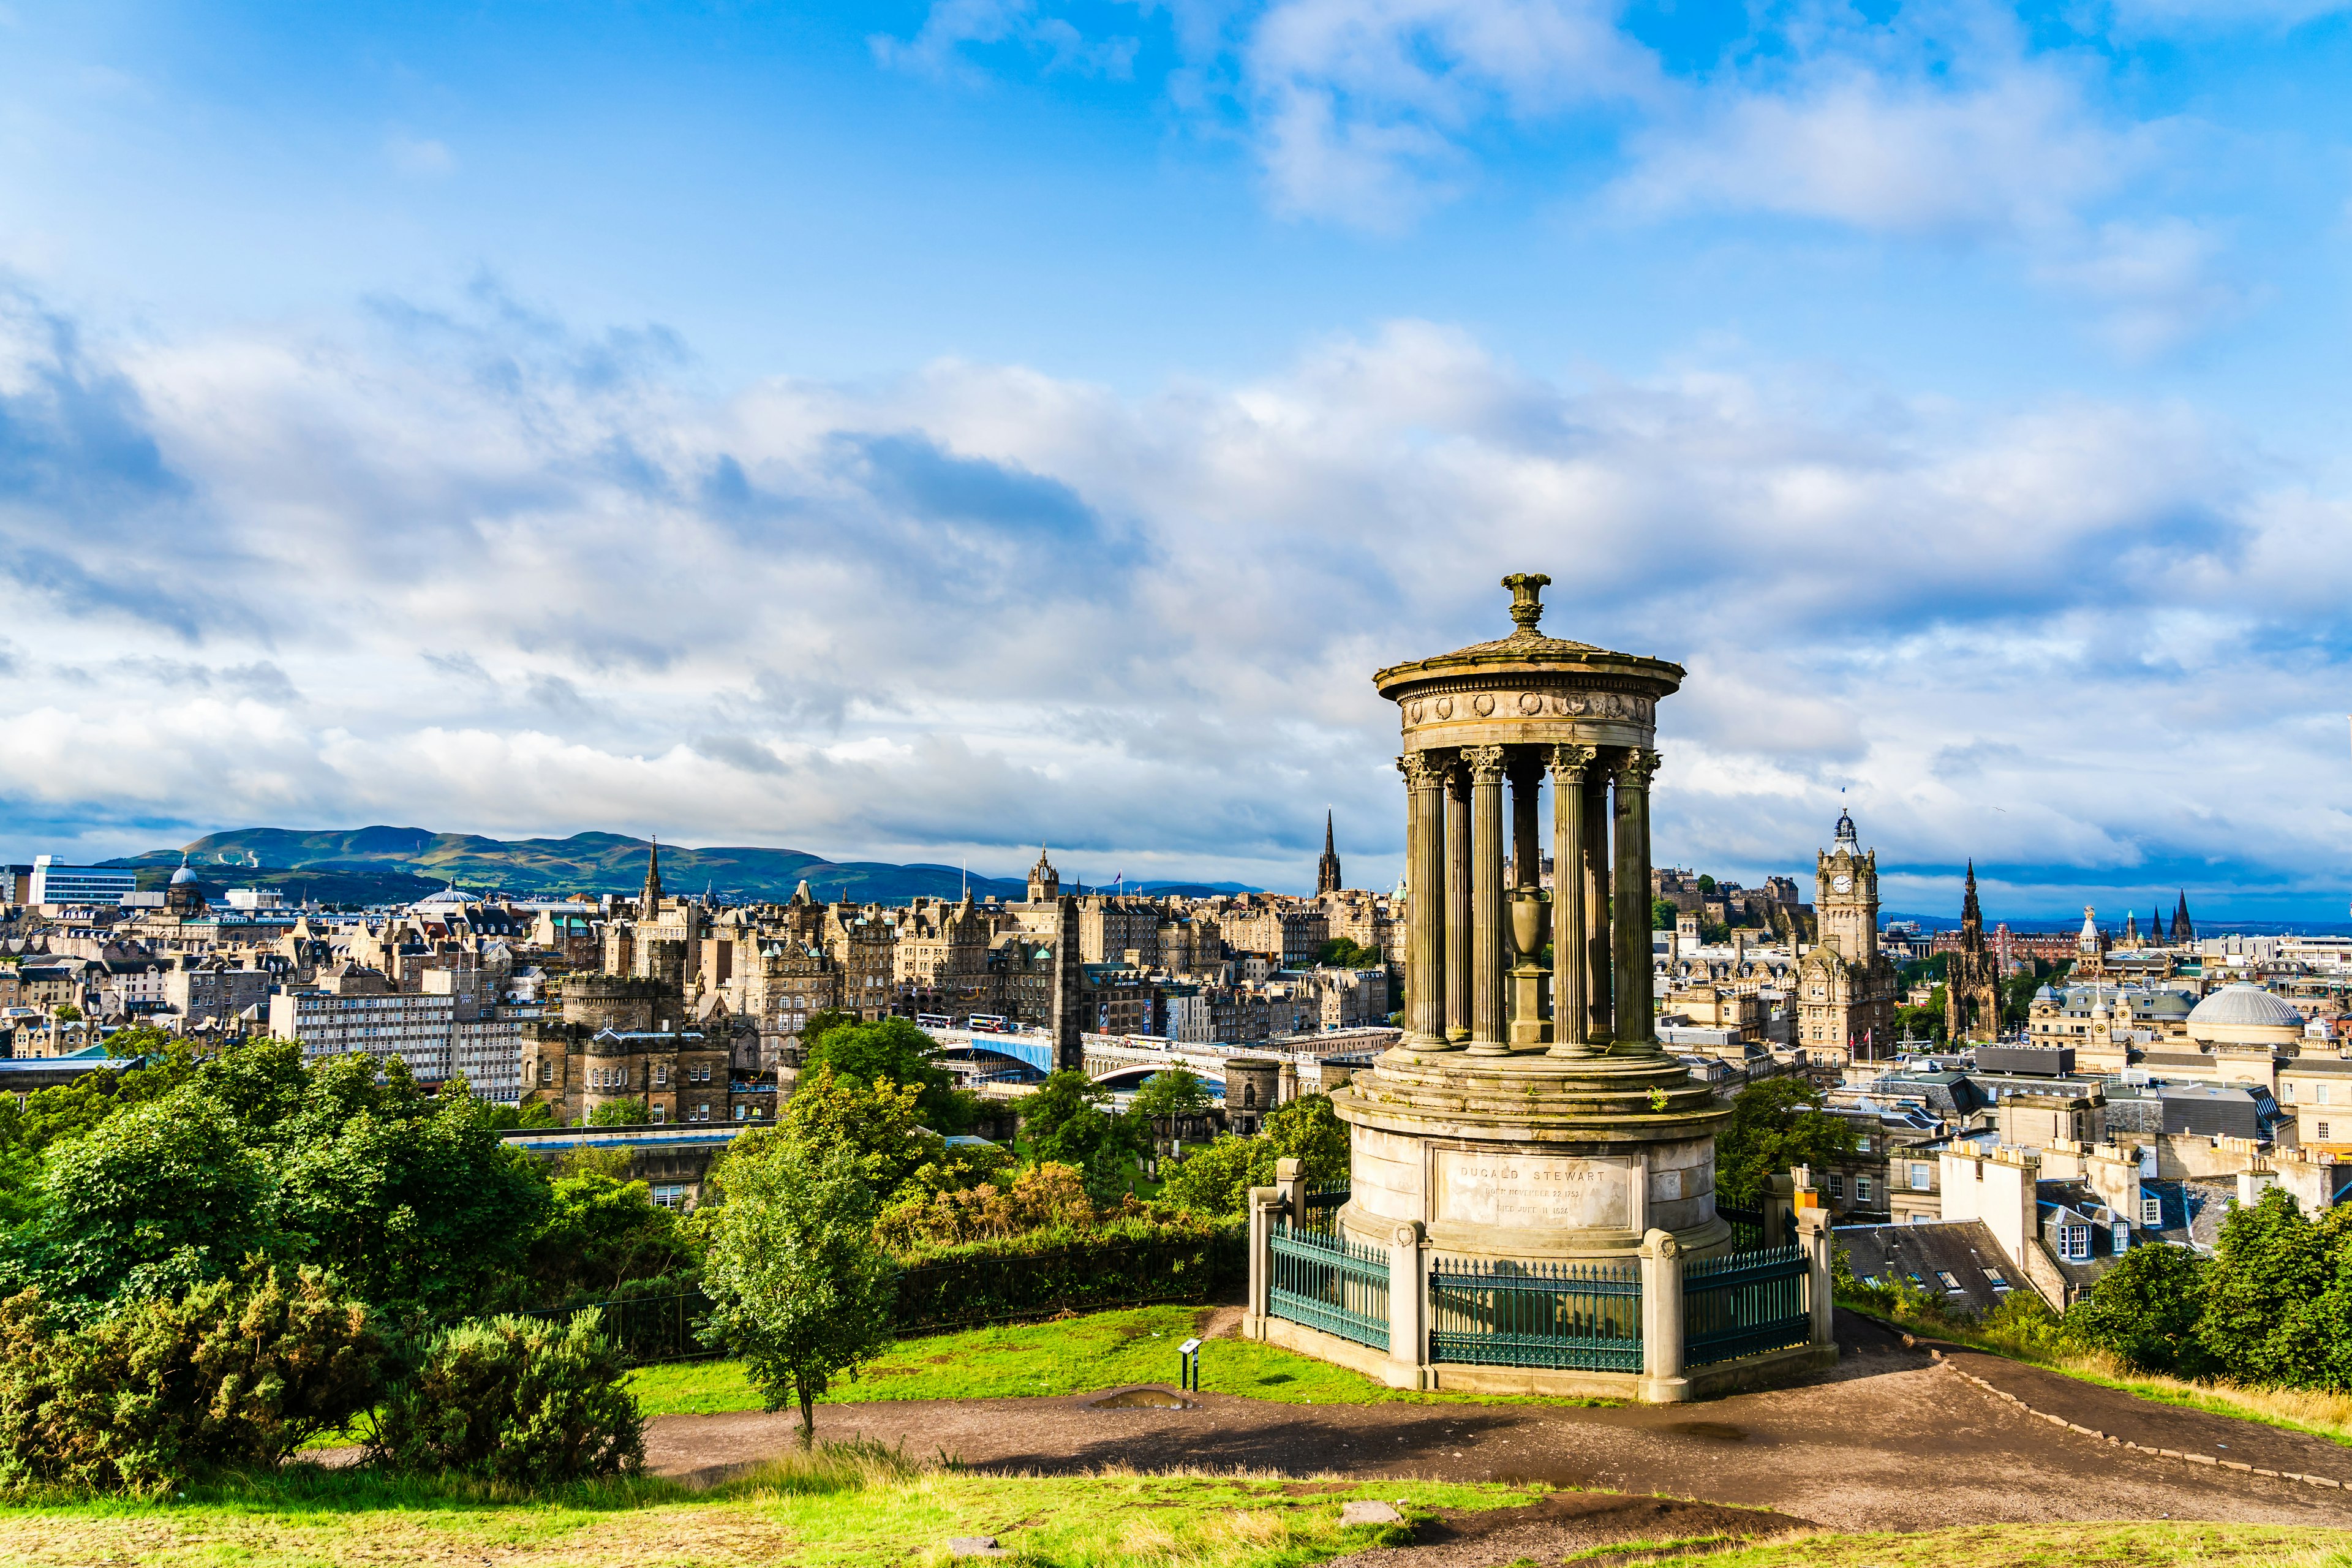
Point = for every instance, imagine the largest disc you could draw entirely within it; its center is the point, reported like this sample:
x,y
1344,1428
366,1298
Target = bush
x,y
518,1400
1046,1196
237,1372
2144,1309
1216,1180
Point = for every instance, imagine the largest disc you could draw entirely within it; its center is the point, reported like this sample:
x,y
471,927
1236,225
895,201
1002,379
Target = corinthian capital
x,y
1423,771
1486,764
1567,762
1640,766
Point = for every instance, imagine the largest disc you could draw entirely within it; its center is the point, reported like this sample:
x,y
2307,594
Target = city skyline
x,y
910,432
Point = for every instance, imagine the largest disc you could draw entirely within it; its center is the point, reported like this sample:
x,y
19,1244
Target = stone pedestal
x,y
1530,1156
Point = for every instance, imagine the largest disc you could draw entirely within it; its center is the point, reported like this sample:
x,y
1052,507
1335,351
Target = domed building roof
x,y
2045,994
2245,1006
184,876
2245,1014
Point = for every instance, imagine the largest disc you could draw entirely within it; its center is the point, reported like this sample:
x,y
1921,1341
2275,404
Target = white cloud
x,y
982,605
418,157
940,47
1360,107
2013,153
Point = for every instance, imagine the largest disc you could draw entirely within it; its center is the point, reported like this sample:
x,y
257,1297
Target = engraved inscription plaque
x,y
1531,1191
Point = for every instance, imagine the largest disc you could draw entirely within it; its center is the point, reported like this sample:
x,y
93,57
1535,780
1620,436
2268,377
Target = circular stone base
x,y
1531,1156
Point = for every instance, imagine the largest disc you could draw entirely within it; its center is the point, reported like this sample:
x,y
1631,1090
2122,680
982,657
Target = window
x,y
656,1113
1996,1279
741,1111
661,1075
2151,1209
1922,1175
1945,1277
670,1198
547,1072
2323,1131
2121,1236
1862,1189
1837,1186
2074,1243
2319,1094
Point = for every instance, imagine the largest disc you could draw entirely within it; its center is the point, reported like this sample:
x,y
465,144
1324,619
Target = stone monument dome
x,y
2243,1014
1529,1112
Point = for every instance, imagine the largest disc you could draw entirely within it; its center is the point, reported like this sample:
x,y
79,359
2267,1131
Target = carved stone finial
x,y
1486,764
1526,597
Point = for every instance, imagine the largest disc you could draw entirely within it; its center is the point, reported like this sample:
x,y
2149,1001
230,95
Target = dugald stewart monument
x,y
1531,1204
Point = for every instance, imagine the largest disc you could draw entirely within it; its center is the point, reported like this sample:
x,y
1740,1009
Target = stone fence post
x,y
1290,1179
1780,1202
1662,1382
1813,1235
1265,1204
1407,1305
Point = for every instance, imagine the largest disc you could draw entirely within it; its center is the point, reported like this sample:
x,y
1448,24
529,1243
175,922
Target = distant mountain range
x,y
398,865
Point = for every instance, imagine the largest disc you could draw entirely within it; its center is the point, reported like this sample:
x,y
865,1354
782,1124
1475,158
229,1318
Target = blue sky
x,y
916,430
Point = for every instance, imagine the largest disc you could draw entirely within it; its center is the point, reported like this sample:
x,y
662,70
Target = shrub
x,y
519,1400
238,1372
1041,1197
2144,1309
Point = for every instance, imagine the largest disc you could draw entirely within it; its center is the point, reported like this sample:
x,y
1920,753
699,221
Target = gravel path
x,y
1887,1441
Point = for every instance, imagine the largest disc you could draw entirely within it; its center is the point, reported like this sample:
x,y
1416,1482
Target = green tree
x,y
409,1200
896,1051
1707,884
1308,1130
875,1122
631,1112
1663,914
798,1287
2274,1295
1167,1097
519,1400
2146,1309
1344,952
600,1232
153,1200
1068,1118
1217,1179
1776,1124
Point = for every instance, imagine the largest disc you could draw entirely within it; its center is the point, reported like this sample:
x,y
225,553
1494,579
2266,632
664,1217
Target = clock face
x,y
1842,884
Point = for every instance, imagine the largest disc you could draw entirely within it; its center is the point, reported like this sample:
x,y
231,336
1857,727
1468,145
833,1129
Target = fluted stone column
x,y
1527,839
1457,902
1489,1028
1425,784
1570,956
1637,1024
1599,984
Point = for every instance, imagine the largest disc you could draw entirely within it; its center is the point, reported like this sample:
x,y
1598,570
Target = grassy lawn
x,y
1068,1355
820,1513
852,1508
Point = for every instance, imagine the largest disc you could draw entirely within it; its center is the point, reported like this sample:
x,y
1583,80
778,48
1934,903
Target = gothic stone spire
x,y
650,899
1327,870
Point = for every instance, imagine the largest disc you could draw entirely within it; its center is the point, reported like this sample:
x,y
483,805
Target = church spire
x,y
1327,870
649,900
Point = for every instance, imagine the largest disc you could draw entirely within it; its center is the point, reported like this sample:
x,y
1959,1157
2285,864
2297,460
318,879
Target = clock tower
x,y
1847,989
1845,895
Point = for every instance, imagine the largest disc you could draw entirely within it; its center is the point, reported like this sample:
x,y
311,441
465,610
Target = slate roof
x,y
1945,1258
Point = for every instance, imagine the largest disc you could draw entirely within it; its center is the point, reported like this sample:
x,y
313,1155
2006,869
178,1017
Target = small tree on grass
x,y
798,1287
1167,1097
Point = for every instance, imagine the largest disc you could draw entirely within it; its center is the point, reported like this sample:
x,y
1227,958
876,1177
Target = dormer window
x,y
2074,1243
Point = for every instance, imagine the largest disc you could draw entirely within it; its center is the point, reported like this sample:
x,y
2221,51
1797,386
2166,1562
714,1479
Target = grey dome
x,y
2243,1005
184,876
2045,994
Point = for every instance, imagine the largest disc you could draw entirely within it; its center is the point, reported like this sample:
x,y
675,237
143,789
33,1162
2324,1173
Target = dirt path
x,y
1888,1441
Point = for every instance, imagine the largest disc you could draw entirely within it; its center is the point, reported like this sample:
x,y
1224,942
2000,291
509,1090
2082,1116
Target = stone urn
x,y
1530,912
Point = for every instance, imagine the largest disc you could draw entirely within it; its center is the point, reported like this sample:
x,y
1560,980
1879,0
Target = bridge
x,y
1313,1064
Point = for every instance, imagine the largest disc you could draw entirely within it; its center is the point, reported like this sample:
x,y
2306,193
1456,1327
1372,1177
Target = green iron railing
x,y
1322,1281
1323,1206
1581,1316
1744,1303
1747,1225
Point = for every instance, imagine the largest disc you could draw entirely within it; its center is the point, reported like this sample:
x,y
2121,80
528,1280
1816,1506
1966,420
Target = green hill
x,y
376,865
